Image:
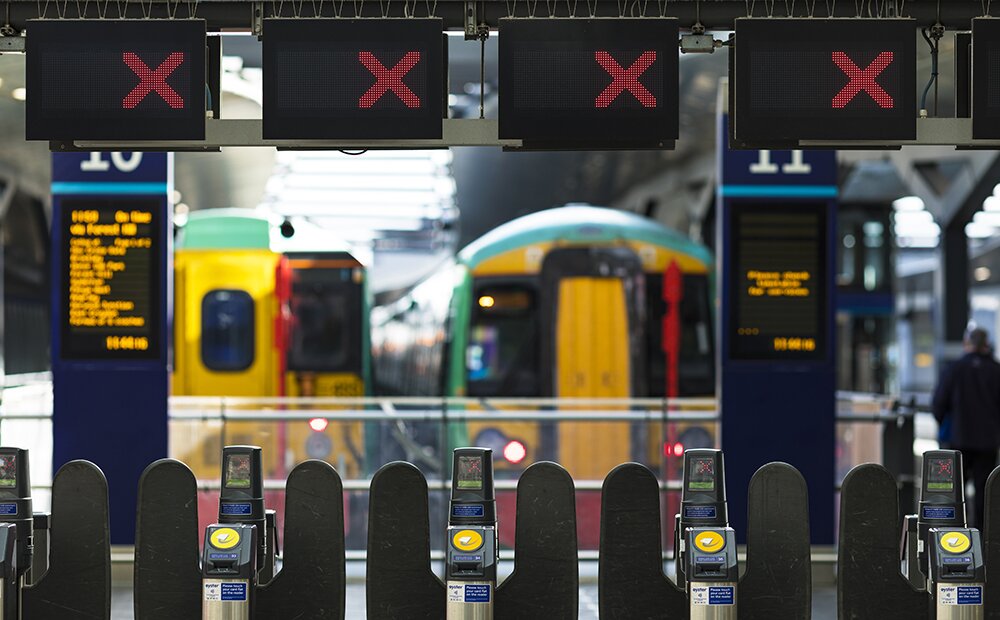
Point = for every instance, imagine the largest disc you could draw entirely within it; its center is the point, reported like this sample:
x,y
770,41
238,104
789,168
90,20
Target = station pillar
x,y
110,296
776,225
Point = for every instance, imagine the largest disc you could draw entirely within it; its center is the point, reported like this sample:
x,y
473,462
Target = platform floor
x,y
824,603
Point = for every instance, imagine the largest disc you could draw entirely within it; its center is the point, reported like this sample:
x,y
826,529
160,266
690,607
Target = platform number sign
x,y
589,82
115,80
823,80
342,79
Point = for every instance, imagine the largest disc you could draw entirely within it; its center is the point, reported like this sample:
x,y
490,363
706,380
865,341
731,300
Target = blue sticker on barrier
x,y
938,512
721,595
715,559
236,509
475,593
699,512
962,560
223,556
466,558
970,595
234,591
468,510
8,509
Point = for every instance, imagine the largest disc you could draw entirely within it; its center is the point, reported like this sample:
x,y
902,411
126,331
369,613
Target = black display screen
x,y
115,79
986,79
940,474
778,280
470,473
8,471
111,278
238,471
702,474
589,82
824,79
353,78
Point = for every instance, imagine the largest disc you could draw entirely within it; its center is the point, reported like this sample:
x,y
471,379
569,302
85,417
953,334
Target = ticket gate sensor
x,y
235,547
708,544
957,575
471,564
16,529
942,505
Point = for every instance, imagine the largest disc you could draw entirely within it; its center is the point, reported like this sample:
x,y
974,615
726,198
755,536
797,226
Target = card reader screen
x,y
8,471
940,474
470,473
238,471
702,475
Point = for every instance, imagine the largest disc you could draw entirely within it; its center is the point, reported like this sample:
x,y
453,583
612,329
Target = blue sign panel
x,y
110,298
699,512
236,509
468,510
476,593
938,512
234,591
776,253
8,509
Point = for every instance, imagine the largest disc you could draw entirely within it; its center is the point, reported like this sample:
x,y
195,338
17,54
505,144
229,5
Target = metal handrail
x,y
360,484
291,415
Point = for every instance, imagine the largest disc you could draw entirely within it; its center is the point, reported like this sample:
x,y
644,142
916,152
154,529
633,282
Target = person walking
x,y
967,399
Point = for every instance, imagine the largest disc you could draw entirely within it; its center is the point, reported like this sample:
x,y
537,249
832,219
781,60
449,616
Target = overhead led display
x,y
986,79
589,82
354,78
824,79
115,79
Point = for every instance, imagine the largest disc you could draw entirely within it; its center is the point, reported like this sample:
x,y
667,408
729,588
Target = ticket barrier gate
x,y
173,580
874,582
400,582
73,580
472,545
777,582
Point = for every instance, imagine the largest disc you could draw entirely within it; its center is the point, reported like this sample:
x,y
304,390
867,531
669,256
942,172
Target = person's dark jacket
x,y
968,394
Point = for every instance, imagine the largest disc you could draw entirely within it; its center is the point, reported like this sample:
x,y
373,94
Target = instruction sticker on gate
x,y
234,592
960,595
469,593
713,595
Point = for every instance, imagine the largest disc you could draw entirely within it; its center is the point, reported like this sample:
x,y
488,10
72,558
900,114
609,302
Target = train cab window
x,y
326,318
227,330
503,349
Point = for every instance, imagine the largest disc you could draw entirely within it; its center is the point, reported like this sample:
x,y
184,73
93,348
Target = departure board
x,y
778,281
110,278
986,79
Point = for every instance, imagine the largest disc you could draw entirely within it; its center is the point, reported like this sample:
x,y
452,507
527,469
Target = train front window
x,y
502,354
325,322
227,330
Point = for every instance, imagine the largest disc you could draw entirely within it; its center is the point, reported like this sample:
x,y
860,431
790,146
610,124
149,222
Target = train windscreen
x,y
325,326
502,356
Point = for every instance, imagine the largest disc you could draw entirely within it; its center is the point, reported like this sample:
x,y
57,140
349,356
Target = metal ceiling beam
x,y
713,14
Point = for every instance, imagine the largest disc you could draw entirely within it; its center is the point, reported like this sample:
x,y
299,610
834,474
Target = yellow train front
x,y
571,303
263,310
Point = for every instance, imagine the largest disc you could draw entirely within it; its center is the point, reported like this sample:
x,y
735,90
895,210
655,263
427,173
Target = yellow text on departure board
x,y
794,344
778,283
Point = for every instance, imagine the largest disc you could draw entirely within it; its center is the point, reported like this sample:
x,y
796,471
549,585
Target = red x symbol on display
x,y
625,79
150,80
863,80
389,79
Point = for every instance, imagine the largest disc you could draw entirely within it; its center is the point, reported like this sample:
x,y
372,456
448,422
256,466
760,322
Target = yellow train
x,y
261,310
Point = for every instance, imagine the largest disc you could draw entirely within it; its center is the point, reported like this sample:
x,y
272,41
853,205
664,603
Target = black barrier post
x,y
312,580
399,582
77,585
630,576
870,584
545,582
991,546
167,578
777,584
